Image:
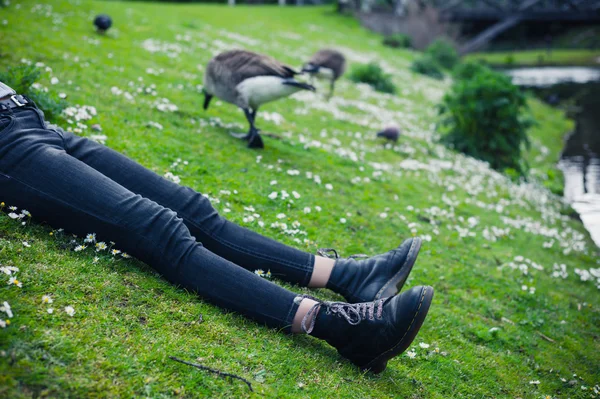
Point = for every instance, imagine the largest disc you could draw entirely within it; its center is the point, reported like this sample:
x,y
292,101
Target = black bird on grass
x,y
326,64
102,23
249,80
391,133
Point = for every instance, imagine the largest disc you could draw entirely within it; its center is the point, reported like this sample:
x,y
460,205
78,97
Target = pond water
x,y
576,89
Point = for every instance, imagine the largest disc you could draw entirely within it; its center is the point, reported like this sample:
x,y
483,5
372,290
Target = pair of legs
x,y
84,187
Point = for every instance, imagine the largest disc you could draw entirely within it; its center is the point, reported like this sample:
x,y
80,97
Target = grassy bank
x,y
505,322
555,57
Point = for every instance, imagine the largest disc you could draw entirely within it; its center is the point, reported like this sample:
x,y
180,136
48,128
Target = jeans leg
x,y
226,239
38,175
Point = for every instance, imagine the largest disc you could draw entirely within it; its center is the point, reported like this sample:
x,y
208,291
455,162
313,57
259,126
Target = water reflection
x,y
578,91
547,76
582,191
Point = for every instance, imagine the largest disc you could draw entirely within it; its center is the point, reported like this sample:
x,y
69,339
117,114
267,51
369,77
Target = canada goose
x,y
391,133
326,64
102,22
249,80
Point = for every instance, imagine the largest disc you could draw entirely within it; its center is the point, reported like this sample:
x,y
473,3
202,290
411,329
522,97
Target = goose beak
x,y
310,68
207,98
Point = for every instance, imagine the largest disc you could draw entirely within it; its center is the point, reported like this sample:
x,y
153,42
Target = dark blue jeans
x,y
84,187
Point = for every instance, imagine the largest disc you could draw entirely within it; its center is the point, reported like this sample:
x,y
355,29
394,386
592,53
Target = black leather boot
x,y
381,276
369,334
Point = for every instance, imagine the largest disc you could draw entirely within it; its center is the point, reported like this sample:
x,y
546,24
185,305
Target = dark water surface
x,y
577,90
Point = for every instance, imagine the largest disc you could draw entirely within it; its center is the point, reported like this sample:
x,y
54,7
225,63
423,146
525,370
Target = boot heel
x,y
379,364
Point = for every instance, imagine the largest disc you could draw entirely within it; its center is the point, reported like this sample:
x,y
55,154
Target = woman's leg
x,y
37,174
226,239
358,281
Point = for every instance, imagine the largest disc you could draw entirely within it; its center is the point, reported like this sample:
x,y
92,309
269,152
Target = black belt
x,y
14,102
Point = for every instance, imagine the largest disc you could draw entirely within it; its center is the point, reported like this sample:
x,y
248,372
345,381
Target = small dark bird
x,y
249,80
326,64
102,23
391,133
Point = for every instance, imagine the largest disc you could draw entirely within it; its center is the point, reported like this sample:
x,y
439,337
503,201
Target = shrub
x,y
22,79
443,52
426,65
483,117
373,75
467,70
398,40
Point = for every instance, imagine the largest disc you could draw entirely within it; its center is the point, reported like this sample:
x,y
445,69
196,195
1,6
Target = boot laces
x,y
333,254
354,313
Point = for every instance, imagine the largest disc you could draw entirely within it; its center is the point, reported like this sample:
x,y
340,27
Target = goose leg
x,y
254,139
250,116
331,88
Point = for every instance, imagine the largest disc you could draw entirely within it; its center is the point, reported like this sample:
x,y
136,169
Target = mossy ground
x,y
495,338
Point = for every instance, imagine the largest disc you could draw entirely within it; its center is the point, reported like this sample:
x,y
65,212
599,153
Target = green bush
x,y
443,52
467,70
21,78
426,65
398,40
483,116
373,75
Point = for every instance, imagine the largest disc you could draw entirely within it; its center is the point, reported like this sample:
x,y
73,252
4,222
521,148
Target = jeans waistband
x,y
15,101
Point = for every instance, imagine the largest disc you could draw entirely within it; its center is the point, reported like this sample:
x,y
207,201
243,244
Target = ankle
x,y
305,316
322,270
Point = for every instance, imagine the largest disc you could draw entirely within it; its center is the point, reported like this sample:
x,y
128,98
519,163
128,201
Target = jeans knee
x,y
157,230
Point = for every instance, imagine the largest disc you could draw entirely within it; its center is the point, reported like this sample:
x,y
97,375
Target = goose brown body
x,y
248,80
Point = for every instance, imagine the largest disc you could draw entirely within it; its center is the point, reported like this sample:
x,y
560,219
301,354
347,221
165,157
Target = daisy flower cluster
x,y
262,273
23,216
172,50
177,165
425,351
164,105
11,272
98,247
77,115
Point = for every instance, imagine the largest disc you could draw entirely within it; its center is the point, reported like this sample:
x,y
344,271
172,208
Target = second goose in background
x,y
326,64
249,80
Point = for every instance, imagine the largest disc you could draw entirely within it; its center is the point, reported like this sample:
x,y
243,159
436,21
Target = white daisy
x,y
6,309
90,238
13,280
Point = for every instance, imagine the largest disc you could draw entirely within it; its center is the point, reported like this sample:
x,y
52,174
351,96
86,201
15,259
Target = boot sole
x,y
379,364
395,284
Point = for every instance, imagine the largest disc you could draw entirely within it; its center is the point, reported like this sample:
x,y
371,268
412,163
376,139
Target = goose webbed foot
x,y
243,136
254,139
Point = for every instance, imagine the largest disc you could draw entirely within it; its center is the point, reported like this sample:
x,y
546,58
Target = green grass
x,y
539,57
490,333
